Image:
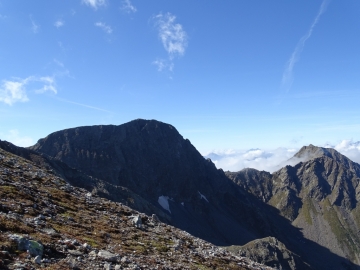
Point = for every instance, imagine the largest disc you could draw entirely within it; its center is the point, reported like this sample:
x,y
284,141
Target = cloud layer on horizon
x,y
272,160
14,137
348,148
263,160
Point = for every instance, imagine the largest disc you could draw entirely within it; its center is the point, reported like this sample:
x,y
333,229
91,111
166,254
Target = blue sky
x,y
227,74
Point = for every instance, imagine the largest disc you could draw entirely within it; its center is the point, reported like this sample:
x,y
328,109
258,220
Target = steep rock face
x,y
153,160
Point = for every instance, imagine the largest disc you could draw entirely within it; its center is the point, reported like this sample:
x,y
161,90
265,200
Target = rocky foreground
x,y
46,223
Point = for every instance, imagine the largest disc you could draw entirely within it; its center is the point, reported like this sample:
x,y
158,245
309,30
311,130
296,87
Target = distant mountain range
x,y
304,216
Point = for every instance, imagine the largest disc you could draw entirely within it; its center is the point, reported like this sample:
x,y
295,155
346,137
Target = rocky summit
x,y
156,163
140,196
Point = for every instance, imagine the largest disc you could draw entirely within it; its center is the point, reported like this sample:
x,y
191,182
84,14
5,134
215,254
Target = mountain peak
x,y
309,152
312,151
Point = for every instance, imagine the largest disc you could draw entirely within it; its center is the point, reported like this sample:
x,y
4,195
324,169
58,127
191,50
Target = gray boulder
x,y
34,248
107,256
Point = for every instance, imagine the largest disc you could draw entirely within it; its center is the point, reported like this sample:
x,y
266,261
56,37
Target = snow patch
x,y
202,196
163,201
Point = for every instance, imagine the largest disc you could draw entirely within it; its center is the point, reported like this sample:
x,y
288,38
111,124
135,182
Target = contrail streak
x,y
83,105
287,78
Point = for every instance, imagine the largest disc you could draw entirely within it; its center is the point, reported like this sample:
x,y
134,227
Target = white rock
x,y
107,256
137,222
37,259
87,246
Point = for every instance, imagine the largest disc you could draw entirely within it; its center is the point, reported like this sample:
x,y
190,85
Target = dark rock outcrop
x,y
256,182
271,252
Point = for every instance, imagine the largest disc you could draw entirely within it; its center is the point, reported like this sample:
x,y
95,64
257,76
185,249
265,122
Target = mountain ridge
x,y
319,195
152,160
145,162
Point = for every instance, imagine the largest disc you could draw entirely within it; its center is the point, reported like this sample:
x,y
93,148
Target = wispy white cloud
x,y
163,64
61,72
48,84
106,28
59,63
14,137
94,3
59,23
128,7
287,78
34,26
173,37
14,90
